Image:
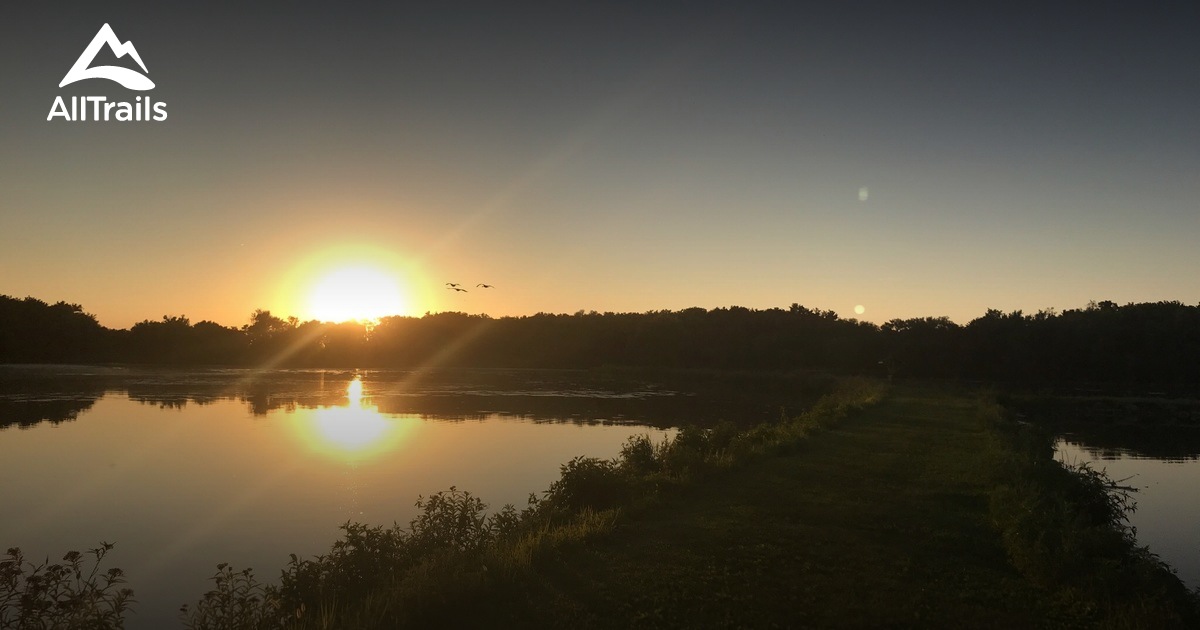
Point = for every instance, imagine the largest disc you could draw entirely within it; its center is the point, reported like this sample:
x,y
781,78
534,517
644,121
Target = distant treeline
x,y
1150,343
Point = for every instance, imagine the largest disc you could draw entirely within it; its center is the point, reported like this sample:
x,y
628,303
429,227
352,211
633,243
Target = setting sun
x,y
355,293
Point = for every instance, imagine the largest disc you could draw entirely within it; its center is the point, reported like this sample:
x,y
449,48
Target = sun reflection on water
x,y
355,432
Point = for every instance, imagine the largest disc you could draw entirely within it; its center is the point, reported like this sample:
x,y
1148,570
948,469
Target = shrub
x,y
722,436
362,559
638,456
238,601
448,537
453,552
1066,528
687,453
67,595
588,482
453,520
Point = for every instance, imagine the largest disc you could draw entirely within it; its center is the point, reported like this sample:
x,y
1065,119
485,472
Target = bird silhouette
x,y
456,289
486,286
451,284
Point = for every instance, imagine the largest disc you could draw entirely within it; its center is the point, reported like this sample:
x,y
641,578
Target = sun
x,y
355,292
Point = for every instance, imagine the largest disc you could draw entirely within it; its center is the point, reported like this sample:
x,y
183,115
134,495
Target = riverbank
x,y
923,507
880,520
895,516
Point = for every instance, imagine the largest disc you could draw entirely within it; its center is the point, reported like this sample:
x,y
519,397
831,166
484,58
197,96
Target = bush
x,y
687,453
443,545
360,561
588,482
1066,528
67,595
452,553
638,456
450,521
721,437
238,601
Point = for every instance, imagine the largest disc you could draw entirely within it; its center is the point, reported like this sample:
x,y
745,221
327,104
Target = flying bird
x,y
486,286
456,289
451,284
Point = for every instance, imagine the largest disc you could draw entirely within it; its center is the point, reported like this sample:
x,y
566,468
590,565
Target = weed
x,y
1066,528
453,551
638,456
238,601
62,595
588,482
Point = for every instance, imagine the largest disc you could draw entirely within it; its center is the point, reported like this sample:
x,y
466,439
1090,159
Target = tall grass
x,y
1066,528
68,594
455,554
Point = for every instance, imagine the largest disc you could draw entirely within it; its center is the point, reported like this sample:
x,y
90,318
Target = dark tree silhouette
x,y
32,331
1104,344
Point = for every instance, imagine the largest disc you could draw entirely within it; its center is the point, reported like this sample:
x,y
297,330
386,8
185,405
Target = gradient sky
x,y
612,157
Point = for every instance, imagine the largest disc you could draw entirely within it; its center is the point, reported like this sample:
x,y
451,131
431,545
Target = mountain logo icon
x,y
129,78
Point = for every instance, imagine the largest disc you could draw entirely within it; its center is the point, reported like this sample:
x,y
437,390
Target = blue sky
x,y
605,157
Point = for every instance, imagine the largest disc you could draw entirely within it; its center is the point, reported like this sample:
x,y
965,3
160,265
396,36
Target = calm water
x,y
183,470
1166,473
186,469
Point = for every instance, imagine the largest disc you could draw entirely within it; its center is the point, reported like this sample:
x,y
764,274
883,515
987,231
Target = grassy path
x,y
881,521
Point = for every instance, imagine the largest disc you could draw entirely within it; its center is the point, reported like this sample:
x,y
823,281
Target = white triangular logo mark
x,y
126,77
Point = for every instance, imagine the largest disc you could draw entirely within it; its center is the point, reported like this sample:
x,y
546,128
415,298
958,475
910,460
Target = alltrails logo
x,y
99,107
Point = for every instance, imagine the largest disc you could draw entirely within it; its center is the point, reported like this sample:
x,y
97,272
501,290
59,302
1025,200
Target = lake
x,y
184,469
1164,466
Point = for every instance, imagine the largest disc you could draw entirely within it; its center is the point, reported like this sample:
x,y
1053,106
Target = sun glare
x,y
355,293
355,432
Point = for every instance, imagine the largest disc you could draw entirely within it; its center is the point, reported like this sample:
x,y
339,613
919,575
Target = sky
x,y
915,159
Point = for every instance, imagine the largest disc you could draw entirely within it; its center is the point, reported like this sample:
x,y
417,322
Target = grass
x,y
882,520
73,593
897,516
1067,529
922,509
454,561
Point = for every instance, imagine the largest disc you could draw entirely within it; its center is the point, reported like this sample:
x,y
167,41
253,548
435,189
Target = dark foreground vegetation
x,y
922,508
1136,345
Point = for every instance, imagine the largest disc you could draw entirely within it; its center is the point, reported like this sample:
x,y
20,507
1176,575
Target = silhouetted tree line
x,y
32,331
1149,343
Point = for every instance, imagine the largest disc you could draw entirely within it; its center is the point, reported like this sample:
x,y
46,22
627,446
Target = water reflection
x,y
355,432
1168,503
1115,428
1108,443
187,468
30,395
1151,444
